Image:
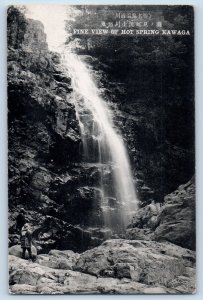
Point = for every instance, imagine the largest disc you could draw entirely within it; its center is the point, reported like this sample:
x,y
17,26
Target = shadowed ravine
x,y
102,145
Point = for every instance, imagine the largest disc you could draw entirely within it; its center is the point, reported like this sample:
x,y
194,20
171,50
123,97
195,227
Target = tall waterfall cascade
x,y
103,147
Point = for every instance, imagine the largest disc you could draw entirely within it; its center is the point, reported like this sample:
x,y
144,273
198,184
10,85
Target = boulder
x,y
177,218
16,250
139,234
142,261
58,259
41,181
174,221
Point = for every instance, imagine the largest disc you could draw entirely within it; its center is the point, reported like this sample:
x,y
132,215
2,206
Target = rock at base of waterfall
x,y
131,256
143,219
115,267
139,234
176,222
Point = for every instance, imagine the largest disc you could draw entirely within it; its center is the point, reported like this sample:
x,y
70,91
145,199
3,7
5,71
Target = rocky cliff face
x,y
46,175
176,221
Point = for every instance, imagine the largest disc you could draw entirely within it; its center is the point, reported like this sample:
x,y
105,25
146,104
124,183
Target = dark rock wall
x,y
44,140
47,175
43,131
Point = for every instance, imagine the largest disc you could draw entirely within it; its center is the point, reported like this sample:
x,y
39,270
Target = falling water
x,y
103,147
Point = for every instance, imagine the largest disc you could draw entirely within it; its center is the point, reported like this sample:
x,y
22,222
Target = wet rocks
x,y
141,219
143,223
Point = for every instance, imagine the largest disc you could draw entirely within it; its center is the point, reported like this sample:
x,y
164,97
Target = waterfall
x,y
103,146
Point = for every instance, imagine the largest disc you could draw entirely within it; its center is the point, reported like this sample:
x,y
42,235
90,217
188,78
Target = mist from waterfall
x,y
103,147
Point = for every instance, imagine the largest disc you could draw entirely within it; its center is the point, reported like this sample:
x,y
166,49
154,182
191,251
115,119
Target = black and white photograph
x,y
101,149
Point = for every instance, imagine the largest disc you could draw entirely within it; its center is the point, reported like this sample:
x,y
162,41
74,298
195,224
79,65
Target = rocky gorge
x,y
48,177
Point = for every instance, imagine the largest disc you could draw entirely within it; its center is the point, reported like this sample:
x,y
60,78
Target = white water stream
x,y
102,146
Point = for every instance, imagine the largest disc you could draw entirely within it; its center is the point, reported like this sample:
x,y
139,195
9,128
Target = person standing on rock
x,y
26,240
20,220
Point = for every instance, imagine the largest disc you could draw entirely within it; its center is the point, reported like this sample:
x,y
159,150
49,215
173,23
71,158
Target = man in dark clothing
x,y
20,220
26,240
